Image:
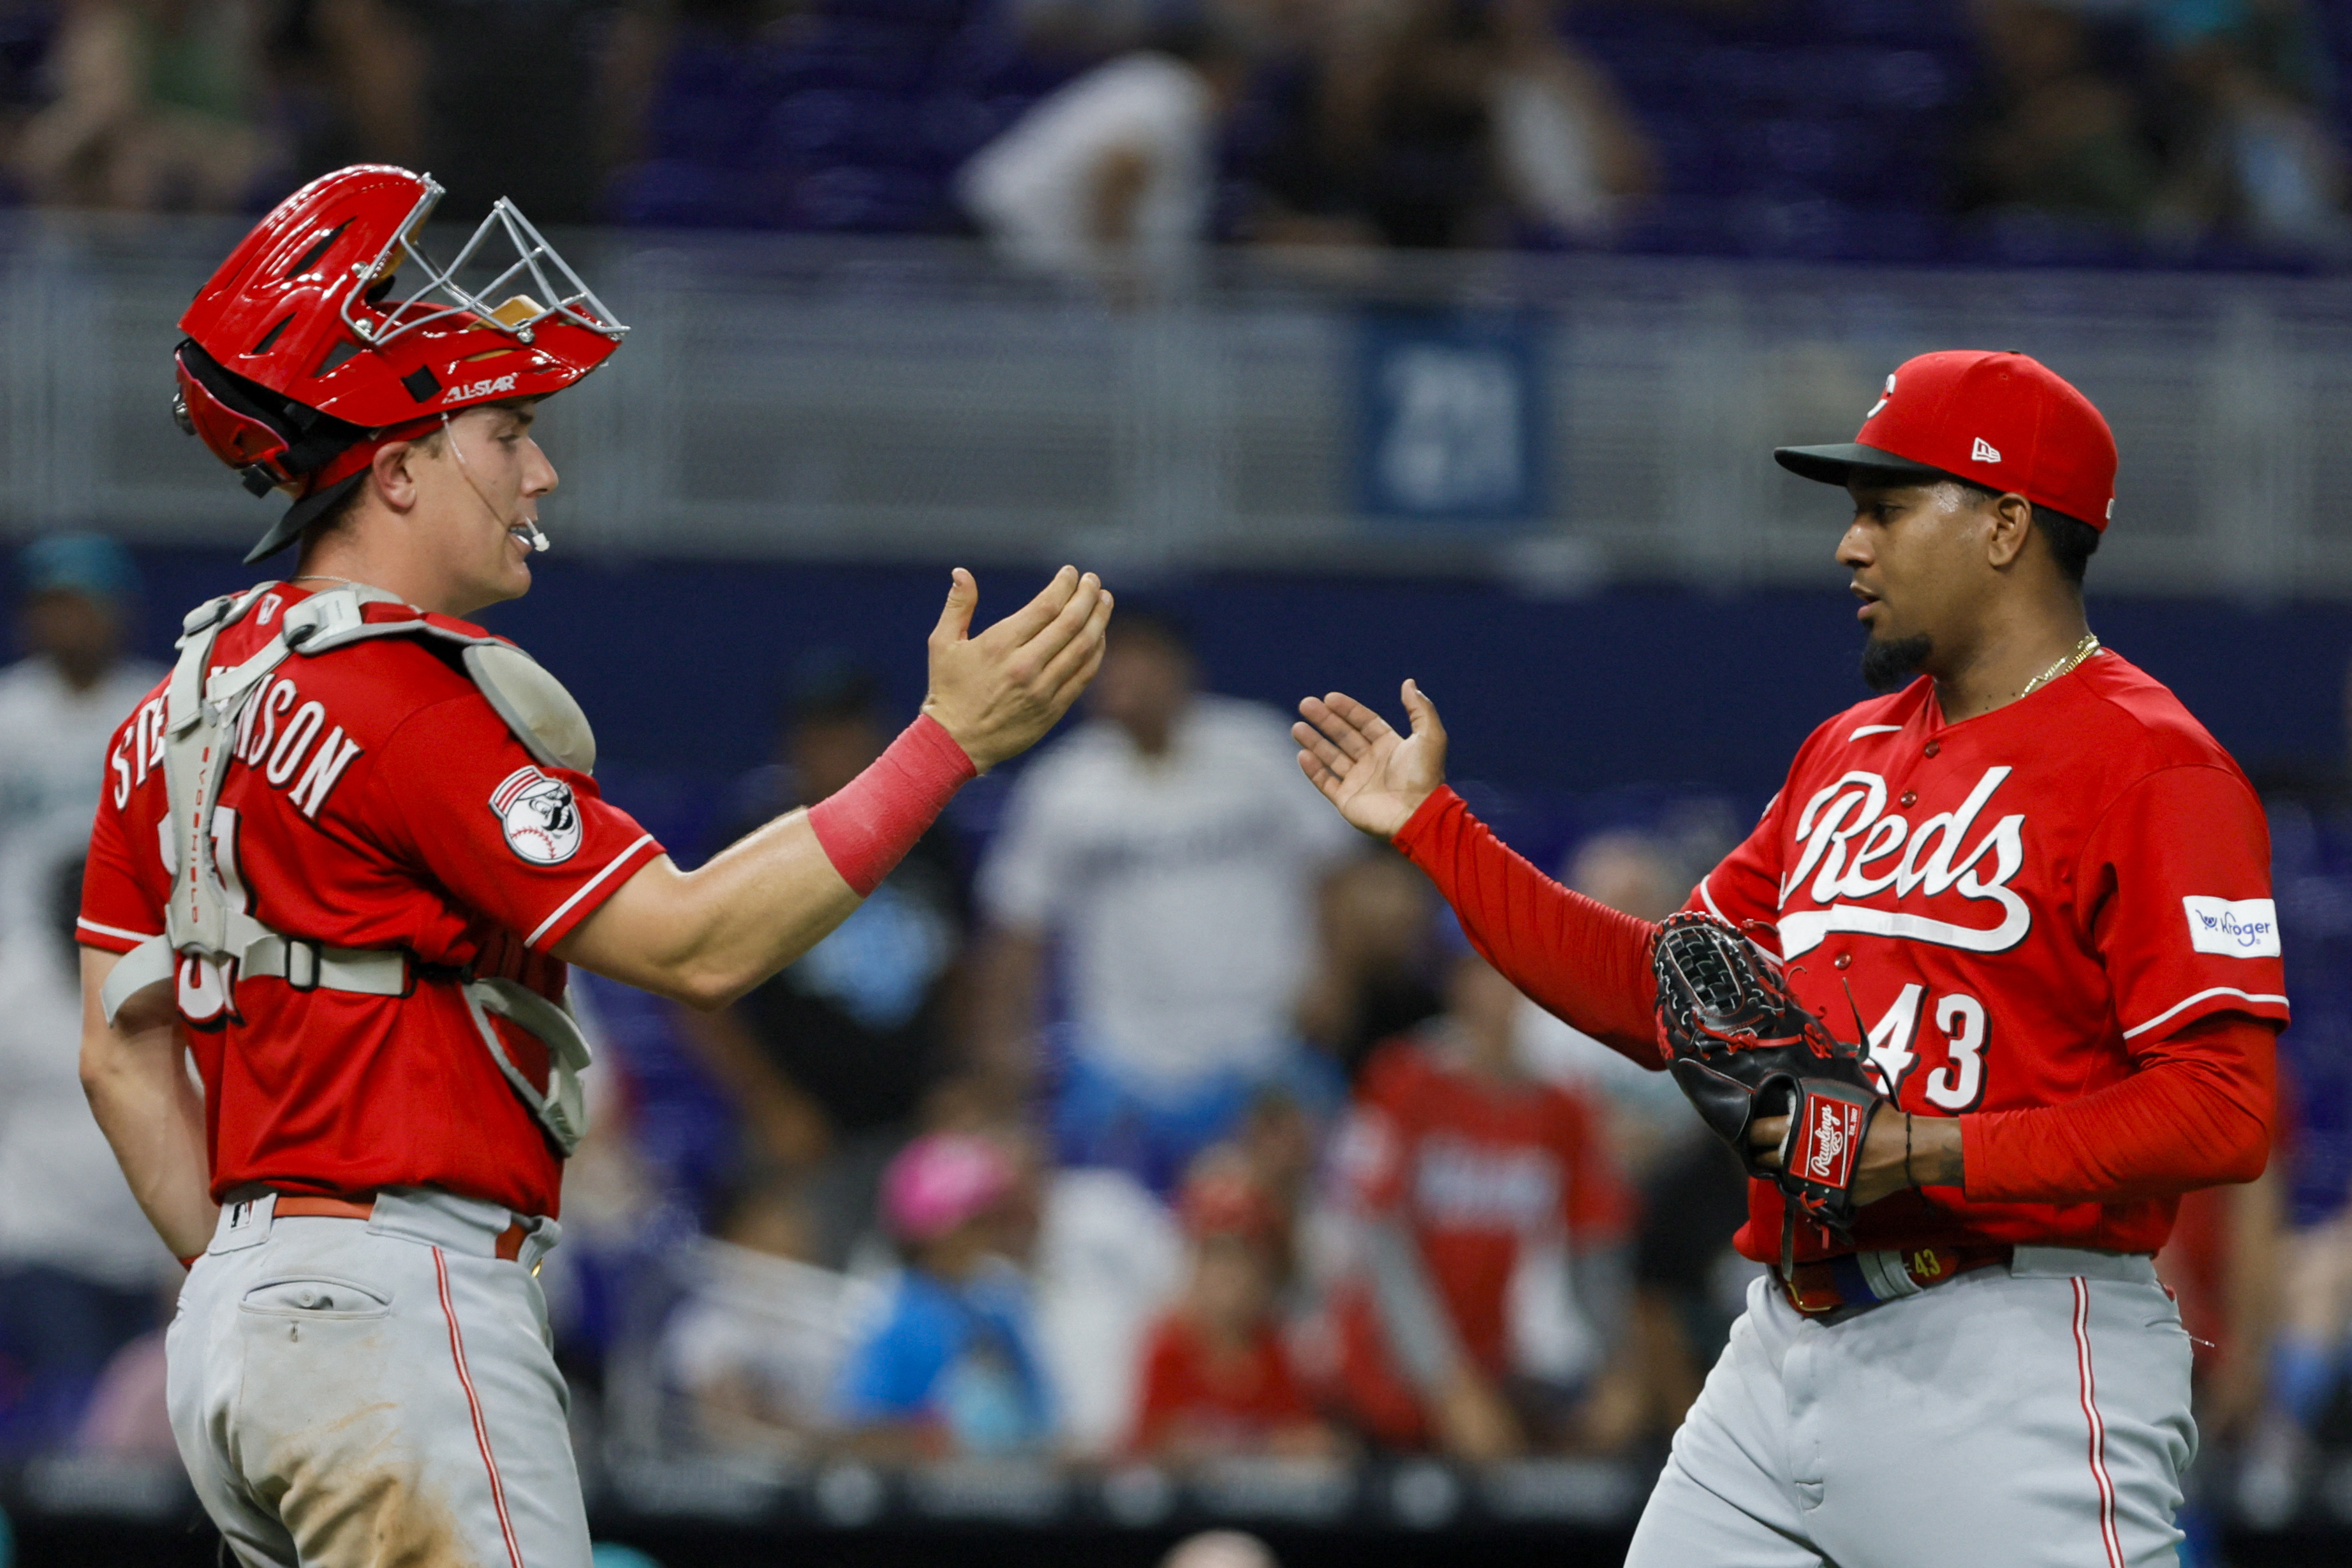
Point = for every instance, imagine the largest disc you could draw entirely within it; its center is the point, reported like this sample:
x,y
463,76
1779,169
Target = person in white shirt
x,y
1169,850
1112,176
79,1263
59,709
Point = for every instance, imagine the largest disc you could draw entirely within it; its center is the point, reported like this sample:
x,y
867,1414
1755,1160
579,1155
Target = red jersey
x,y
2026,908
374,801
1478,1170
1189,1391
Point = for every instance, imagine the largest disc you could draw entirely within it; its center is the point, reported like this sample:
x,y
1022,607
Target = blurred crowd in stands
x,y
1165,1120
1086,137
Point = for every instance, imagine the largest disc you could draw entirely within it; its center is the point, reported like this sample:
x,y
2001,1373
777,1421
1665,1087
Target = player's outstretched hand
x,y
1376,776
999,692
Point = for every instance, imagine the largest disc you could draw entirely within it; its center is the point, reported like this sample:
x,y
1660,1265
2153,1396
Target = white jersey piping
x,y
584,889
2187,1002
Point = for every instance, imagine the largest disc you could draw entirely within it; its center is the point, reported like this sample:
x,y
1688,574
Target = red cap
x,y
2001,420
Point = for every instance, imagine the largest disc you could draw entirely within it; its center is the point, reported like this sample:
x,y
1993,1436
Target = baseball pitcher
x,y
1996,978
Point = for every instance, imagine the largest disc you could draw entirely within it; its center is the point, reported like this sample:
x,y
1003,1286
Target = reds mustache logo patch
x,y
542,822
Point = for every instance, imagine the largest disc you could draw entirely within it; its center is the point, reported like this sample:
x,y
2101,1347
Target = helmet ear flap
x,y
238,433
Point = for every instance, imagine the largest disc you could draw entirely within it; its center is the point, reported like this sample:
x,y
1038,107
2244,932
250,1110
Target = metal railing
x,y
790,397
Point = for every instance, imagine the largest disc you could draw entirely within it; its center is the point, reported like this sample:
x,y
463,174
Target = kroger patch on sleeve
x,y
2235,928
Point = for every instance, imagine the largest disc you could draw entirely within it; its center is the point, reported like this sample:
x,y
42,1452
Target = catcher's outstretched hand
x,y
1376,776
997,693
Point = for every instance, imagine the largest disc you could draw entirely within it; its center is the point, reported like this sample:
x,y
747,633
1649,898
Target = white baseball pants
x,y
2028,1415
362,1393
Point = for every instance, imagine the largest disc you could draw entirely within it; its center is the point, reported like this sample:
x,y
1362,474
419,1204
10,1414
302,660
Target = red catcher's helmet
x,y
298,363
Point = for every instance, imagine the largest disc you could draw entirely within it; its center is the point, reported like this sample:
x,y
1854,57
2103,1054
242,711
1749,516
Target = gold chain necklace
x,y
2067,661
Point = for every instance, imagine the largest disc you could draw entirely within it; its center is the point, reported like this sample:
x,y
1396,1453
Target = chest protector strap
x,y
205,921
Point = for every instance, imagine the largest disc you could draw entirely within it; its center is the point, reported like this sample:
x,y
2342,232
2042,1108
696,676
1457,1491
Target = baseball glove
x,y
1742,1047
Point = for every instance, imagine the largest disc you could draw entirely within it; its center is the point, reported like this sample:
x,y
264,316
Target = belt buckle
x,y
1811,1302
303,963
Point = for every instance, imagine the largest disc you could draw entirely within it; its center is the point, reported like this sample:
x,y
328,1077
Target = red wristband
x,y
867,825
190,1261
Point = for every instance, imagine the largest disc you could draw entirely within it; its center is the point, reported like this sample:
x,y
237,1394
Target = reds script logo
x,y
541,824
1854,849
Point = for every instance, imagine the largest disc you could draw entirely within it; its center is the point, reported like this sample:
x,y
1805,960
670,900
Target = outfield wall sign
x,y
1450,415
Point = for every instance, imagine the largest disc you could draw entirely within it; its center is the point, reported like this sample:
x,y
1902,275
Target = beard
x,y
1888,664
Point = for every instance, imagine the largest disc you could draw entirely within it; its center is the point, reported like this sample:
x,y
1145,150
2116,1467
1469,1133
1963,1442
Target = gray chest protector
x,y
205,921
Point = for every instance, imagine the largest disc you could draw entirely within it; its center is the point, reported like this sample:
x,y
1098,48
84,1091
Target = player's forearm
x,y
135,1075
706,936
2197,1115
1579,960
706,939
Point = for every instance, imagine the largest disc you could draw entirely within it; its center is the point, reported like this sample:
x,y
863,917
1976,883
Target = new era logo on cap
x,y
1984,451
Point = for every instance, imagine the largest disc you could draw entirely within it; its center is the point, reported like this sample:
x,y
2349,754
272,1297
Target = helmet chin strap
x,y
538,541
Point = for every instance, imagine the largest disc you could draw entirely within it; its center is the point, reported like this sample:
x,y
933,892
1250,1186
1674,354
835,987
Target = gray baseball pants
x,y
2036,1414
361,1394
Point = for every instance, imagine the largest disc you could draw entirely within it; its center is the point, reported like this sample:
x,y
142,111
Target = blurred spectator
x,y
1442,122
78,1263
2310,812
950,1366
495,98
59,708
2243,89
1109,1258
1370,982
158,107
1379,132
349,81
1688,1284
2056,133
2306,1367
1111,176
1490,1309
830,1059
2222,1263
1170,848
1569,151
129,1417
760,1338
1651,1121
1217,1376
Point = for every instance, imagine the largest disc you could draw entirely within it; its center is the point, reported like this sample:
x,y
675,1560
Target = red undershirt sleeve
x,y
2197,1114
1579,960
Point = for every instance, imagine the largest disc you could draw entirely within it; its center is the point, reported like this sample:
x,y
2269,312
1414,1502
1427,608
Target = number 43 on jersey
x,y
1959,1017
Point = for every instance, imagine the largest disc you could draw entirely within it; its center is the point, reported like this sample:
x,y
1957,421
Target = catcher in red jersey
x,y
2034,891
345,854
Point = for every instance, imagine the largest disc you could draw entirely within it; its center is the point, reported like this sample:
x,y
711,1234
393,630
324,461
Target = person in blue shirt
x,y
949,1367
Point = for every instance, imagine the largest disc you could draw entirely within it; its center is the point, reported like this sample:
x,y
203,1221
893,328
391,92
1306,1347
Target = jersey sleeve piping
x,y
561,922
1707,898
91,933
2176,1008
